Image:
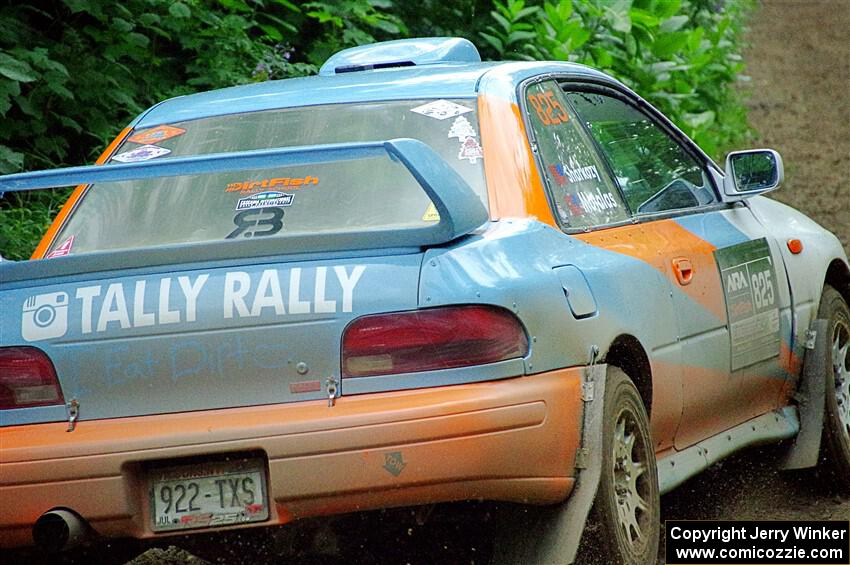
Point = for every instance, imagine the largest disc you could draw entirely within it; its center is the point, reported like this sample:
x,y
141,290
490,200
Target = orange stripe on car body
x,y
513,181
656,243
63,214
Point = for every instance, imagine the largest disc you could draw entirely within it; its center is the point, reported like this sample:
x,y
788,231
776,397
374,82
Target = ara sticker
x,y
268,199
159,133
470,150
143,153
461,129
441,109
750,288
251,187
62,250
431,214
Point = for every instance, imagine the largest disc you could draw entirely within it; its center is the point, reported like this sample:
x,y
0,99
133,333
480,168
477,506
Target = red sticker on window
x,y
62,250
159,133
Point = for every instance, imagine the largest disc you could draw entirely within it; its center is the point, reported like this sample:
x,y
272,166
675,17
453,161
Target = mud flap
x,y
811,396
551,534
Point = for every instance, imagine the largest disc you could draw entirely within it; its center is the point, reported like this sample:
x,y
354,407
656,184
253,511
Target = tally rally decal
x,y
752,301
62,250
441,109
143,153
291,183
264,200
159,133
115,307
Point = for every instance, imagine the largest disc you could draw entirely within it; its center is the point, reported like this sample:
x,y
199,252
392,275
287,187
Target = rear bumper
x,y
511,440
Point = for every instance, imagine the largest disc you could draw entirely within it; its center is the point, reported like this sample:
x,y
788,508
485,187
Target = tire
x,y
604,539
625,522
835,451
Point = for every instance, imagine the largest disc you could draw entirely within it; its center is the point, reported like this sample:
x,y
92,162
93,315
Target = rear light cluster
x,y
427,340
27,379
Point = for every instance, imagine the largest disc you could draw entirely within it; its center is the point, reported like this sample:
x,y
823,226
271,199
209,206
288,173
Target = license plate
x,y
207,495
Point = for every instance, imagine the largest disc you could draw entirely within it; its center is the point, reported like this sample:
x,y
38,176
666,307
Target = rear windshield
x,y
344,196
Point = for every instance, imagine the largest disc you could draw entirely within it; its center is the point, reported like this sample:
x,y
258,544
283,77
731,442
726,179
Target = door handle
x,y
684,270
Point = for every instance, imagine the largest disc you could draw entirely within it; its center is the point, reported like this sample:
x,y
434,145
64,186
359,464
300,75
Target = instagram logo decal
x,y
45,316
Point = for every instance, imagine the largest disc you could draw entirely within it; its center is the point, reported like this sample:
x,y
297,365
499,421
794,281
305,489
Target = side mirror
x,y
752,172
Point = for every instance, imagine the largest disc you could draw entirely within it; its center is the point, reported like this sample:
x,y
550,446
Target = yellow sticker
x,y
431,214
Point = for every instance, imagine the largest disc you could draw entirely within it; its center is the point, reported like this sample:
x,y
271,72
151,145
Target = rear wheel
x,y
624,525
836,452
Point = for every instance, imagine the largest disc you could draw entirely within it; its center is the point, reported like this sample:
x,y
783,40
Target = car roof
x,y
446,80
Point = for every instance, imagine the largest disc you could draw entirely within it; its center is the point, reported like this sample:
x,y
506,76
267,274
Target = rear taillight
x,y
427,340
27,378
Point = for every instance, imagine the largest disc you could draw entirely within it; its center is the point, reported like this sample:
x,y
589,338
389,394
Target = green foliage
x,y
681,55
73,72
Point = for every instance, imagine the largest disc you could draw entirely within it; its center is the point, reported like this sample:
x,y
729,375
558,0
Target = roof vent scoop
x,y
402,53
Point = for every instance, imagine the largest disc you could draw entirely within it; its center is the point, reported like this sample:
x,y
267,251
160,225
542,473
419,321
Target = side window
x,y
583,193
654,171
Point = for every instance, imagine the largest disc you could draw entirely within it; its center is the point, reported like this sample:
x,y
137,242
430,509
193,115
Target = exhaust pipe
x,y
59,529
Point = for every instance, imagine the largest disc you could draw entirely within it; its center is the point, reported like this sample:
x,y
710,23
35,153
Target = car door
x,y
620,265
727,279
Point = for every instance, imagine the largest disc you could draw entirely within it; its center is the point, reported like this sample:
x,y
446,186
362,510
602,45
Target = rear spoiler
x,y
460,209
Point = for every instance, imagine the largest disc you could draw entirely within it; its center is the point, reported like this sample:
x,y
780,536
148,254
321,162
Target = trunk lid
x,y
202,336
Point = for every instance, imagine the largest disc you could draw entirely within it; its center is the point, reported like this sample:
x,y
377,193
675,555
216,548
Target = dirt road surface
x,y
799,99
799,104
799,63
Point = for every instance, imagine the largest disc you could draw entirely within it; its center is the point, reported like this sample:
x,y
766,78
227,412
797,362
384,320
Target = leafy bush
x,y
681,55
73,72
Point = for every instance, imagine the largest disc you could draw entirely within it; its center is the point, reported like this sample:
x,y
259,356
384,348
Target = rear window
x,y
343,196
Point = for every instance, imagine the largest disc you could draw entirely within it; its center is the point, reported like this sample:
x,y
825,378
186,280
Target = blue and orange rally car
x,y
307,297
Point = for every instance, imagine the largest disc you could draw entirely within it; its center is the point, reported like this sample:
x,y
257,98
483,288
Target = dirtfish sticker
x,y
441,109
63,249
159,133
143,153
265,200
287,183
120,306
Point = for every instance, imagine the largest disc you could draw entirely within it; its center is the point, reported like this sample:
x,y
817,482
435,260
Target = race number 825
x,y
762,284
